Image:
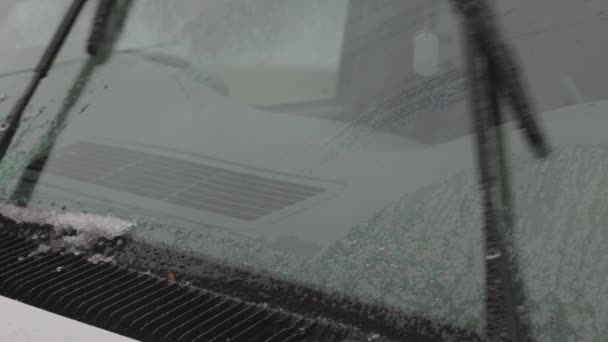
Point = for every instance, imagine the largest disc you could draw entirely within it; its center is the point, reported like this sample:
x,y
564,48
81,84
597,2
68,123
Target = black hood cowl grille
x,y
143,306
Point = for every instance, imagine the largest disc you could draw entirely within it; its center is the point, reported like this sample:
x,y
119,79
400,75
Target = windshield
x,y
327,143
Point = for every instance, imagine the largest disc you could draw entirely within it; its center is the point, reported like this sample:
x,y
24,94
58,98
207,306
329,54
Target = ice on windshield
x,y
89,228
398,220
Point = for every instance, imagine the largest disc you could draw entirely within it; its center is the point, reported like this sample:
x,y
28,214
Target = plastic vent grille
x,y
142,306
190,184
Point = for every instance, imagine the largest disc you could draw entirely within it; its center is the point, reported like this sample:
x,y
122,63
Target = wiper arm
x,y
108,24
9,127
493,74
96,40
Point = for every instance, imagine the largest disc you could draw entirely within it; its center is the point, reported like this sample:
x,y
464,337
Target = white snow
x,y
98,258
89,227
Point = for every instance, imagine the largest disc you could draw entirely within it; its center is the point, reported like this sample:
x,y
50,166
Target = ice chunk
x,y
97,258
89,227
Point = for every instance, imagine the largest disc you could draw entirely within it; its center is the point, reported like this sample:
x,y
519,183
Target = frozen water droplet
x,y
21,258
493,253
373,336
60,268
381,248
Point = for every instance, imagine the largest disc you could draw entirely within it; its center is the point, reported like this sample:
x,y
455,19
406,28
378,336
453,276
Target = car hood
x,y
20,323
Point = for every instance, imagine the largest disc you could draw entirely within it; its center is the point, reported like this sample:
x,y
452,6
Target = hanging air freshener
x,y
426,48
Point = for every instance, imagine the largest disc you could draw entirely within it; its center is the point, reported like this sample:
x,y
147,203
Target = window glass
x,y
323,142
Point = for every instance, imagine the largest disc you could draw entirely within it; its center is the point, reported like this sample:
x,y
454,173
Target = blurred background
x,y
354,53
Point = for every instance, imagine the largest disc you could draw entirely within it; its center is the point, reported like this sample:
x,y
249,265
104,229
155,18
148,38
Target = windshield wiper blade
x,y
501,315
100,25
493,73
482,29
11,124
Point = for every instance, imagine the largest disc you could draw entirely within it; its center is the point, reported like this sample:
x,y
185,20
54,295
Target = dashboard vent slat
x,y
184,313
75,282
225,324
147,325
73,295
233,191
202,317
79,305
9,241
127,318
73,270
11,255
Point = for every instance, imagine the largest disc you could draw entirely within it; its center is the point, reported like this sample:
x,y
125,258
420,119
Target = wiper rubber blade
x,y
100,26
502,323
485,33
11,123
493,74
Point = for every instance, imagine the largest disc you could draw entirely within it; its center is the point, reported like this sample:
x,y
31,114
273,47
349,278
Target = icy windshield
x,y
327,143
